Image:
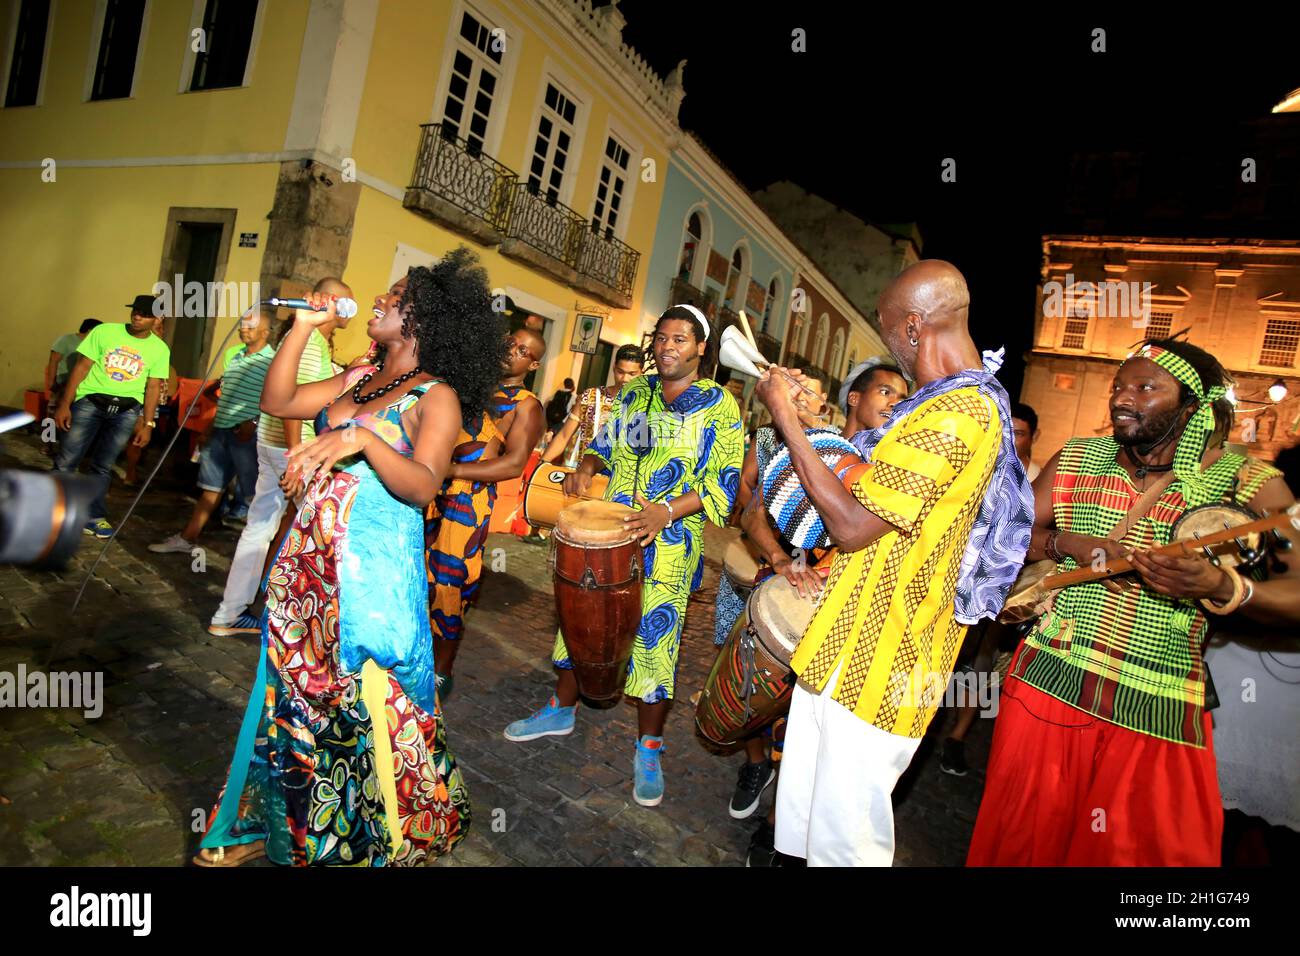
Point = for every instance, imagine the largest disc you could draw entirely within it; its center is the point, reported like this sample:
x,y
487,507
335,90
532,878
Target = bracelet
x,y
1050,548
669,506
1234,602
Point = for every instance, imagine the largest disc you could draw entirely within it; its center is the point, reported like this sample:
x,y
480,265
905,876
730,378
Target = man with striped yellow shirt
x,y
922,556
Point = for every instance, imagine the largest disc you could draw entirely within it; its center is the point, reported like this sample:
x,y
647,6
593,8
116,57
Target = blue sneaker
x,y
551,720
445,683
648,777
99,528
244,624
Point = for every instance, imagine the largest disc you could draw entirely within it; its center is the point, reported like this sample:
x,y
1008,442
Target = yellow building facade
x,y
319,137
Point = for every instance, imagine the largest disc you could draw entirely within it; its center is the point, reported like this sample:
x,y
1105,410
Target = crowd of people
x,y
370,489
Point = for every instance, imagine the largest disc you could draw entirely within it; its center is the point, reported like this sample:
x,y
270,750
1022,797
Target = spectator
x,y
269,504
1024,428
62,355
118,369
230,449
166,394
557,409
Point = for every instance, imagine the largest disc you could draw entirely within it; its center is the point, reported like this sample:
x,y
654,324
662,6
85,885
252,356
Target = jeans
x,y
108,434
224,457
264,514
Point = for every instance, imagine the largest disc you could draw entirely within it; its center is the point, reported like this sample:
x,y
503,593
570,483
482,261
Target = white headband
x,y
698,314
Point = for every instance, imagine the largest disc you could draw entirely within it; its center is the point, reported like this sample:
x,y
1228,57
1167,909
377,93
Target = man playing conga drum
x,y
1102,753
931,538
674,446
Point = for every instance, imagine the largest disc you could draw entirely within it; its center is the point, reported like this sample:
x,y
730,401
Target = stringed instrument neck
x,y
1219,542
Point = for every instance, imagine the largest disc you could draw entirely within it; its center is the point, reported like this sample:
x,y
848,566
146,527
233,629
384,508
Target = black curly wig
x,y
459,337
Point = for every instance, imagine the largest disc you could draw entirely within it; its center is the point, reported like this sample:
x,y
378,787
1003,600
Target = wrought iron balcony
x,y
805,364
683,293
609,261
549,226
460,186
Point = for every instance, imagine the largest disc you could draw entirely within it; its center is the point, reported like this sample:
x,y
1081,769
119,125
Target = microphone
x,y
346,308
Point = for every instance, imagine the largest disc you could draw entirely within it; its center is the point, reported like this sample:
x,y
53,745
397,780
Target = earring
x,y
914,342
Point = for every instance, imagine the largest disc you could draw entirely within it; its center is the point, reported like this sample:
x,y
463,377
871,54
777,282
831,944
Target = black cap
x,y
147,305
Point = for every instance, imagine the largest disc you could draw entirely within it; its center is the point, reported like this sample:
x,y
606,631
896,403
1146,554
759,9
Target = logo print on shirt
x,y
123,364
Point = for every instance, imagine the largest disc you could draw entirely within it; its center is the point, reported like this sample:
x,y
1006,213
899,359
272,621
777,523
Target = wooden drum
x,y
544,496
597,567
751,682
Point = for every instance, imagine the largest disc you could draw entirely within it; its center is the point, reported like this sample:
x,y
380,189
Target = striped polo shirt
x,y
241,387
314,366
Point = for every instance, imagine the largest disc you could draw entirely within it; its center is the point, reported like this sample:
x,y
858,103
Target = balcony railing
x,y
770,347
449,169
548,226
683,293
609,261
805,364
461,186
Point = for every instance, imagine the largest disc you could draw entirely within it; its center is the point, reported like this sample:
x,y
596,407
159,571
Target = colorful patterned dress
x,y
663,451
456,524
345,637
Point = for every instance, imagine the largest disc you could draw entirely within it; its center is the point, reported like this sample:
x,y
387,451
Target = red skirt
x,y
1066,788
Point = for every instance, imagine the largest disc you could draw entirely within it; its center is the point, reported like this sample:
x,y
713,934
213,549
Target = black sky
x,y
868,114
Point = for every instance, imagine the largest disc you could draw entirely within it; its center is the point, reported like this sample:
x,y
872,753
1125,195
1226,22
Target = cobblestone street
x,y
132,786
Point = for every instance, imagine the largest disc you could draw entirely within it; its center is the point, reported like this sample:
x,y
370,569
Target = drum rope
x,y
749,667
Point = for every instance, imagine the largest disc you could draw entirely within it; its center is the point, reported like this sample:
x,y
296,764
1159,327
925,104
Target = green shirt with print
x,y
121,364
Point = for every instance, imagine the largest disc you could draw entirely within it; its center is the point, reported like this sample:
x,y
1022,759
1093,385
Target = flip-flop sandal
x,y
219,859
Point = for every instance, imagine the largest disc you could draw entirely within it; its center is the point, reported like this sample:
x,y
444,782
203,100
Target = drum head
x,y
594,522
739,564
1023,602
1209,519
780,615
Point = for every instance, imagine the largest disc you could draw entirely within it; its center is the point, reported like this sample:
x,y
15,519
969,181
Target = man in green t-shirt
x,y
118,371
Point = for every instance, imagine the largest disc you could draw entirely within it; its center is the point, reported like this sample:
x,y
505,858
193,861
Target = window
x,y
29,53
769,304
1159,325
119,43
609,188
734,297
227,39
472,89
690,246
819,344
1281,336
1077,313
837,355
551,148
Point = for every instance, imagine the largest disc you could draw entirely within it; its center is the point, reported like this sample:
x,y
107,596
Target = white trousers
x,y
833,798
264,514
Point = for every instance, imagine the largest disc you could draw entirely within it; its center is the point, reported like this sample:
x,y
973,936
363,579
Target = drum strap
x,y
1142,507
749,666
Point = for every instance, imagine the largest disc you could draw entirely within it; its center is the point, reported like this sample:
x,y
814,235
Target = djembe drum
x,y
740,566
750,684
597,568
544,497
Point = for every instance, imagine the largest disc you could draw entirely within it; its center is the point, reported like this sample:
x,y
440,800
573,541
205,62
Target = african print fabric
x,y
995,549
342,757
456,523
1133,658
663,451
592,411
888,612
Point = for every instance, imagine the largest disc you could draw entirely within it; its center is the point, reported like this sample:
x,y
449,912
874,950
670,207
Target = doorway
x,y
595,370
198,246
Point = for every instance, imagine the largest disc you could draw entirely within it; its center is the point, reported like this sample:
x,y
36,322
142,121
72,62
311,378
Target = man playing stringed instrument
x,y
1102,754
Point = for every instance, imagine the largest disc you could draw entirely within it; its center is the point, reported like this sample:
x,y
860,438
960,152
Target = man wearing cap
x,y
119,368
1102,754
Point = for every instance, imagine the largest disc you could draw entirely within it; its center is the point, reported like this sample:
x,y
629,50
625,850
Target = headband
x,y
1196,434
698,314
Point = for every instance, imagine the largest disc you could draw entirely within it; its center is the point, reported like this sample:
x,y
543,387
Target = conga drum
x,y
544,496
740,566
751,682
597,567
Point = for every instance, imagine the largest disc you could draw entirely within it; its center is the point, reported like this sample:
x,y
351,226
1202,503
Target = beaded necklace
x,y
363,399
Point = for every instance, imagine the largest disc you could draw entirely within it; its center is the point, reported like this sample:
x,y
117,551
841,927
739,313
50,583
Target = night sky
x,y
867,115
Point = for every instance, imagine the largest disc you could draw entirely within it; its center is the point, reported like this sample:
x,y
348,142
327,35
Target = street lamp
x,y
1277,391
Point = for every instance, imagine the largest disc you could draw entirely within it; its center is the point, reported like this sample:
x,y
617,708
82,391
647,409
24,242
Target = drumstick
x,y
744,327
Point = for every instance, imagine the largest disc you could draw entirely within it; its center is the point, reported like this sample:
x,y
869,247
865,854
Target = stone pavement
x,y
133,786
